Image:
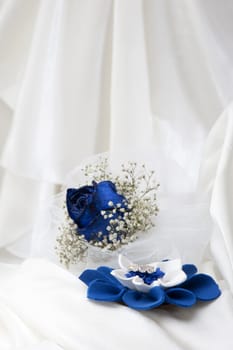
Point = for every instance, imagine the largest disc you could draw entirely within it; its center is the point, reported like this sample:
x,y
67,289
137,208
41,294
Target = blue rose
x,y
86,203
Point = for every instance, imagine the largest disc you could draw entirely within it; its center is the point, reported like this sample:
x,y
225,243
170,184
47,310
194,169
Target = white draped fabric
x,y
80,77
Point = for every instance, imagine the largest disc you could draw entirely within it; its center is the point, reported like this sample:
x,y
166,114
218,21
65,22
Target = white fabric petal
x,y
125,281
172,268
170,265
140,286
173,278
124,262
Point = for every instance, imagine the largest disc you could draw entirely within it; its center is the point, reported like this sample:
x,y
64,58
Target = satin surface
x,y
125,76
52,302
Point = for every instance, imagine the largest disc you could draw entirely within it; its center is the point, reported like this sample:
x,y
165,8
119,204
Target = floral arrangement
x,y
145,287
108,211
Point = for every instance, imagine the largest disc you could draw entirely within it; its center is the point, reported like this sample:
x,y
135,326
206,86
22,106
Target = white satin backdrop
x,y
81,77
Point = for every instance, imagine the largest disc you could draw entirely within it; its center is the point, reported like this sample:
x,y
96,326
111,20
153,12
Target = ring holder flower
x,y
145,287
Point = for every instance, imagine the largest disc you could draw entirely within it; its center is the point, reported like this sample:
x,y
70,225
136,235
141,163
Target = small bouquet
x,y
108,211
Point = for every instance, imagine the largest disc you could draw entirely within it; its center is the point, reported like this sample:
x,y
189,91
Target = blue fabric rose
x,y
86,204
103,286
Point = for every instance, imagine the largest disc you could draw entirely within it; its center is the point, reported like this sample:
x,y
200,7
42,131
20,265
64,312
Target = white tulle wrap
x,y
182,227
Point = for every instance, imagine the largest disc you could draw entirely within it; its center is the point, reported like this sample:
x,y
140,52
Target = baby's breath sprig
x,y
97,171
70,247
123,220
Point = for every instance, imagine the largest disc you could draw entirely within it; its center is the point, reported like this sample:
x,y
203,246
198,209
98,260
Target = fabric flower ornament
x,y
144,287
142,278
87,204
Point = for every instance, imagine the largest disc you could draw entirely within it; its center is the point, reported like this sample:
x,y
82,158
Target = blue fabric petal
x,y
180,297
189,269
106,271
105,191
89,276
203,286
141,301
157,293
104,291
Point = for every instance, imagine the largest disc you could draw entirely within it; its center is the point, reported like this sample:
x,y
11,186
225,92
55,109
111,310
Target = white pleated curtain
x,y
81,77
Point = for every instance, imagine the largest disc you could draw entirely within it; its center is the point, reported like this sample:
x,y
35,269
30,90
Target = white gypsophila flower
x,y
142,278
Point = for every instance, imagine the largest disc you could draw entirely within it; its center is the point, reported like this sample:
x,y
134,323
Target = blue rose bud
x,y
86,203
